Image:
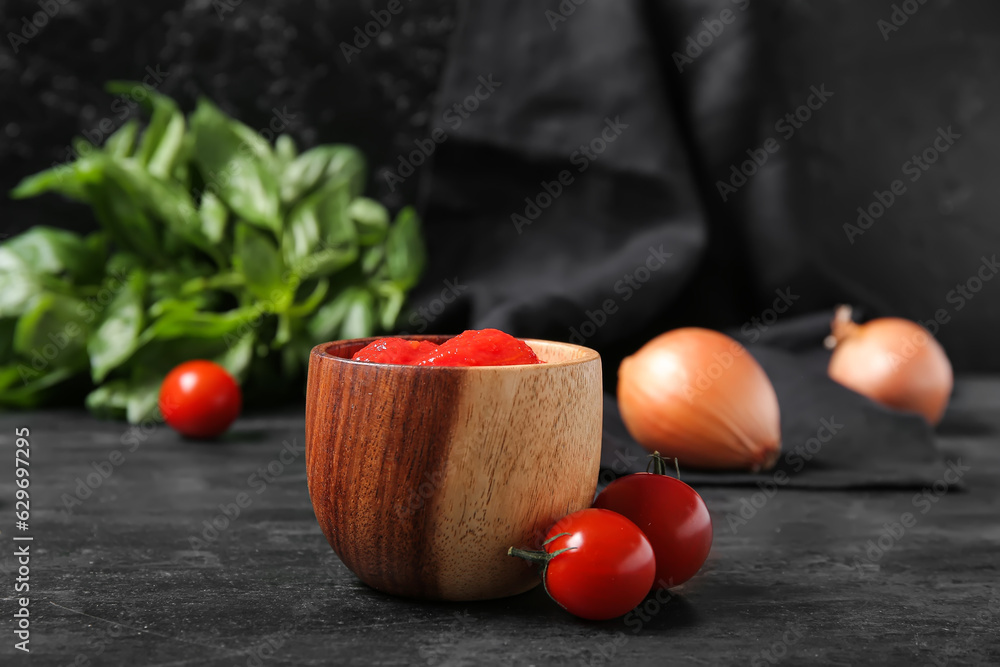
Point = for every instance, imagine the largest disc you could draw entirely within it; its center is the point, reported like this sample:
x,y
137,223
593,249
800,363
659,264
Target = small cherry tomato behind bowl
x,y
597,564
671,514
200,399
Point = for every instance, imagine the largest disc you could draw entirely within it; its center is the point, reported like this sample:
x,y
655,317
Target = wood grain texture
x,y
421,478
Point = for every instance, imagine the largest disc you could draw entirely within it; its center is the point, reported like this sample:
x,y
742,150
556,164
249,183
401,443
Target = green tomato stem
x,y
531,556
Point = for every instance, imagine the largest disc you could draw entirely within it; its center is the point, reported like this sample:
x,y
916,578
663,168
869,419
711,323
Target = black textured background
x,y
257,57
784,230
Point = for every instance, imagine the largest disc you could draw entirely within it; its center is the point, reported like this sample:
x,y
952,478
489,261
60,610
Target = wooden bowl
x,y
422,477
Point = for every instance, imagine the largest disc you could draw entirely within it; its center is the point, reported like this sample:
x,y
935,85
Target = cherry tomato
x,y
671,514
200,399
601,568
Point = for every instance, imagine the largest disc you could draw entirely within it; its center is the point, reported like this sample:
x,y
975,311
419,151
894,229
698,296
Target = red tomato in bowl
x,y
671,514
200,399
598,564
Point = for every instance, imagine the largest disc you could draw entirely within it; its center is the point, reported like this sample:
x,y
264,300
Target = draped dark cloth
x,y
612,170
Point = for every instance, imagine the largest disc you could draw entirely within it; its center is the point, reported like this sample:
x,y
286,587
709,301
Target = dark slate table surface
x,y
119,579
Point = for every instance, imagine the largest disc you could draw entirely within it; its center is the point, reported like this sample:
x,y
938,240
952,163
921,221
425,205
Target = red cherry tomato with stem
x,y
200,399
596,564
671,514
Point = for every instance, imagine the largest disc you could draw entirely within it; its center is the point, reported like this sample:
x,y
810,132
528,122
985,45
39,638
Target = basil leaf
x,y
164,117
54,251
52,332
371,218
322,164
301,236
117,337
230,164
404,249
390,304
360,319
122,141
284,150
283,332
120,213
143,398
325,324
161,162
325,262
313,301
258,259
83,147
347,164
304,173
320,221
187,322
64,179
33,391
335,226
371,259
18,284
121,264
7,326
110,400
238,356
213,215
10,375
167,202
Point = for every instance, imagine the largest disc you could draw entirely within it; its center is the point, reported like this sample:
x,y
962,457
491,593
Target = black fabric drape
x,y
576,197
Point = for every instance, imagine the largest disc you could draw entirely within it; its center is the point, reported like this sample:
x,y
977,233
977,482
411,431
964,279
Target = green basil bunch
x,y
212,245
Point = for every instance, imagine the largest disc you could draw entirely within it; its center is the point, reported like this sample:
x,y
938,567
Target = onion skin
x,y
894,362
697,395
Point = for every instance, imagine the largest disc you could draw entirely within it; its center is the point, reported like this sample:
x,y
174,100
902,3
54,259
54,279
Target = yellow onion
x,y
892,361
697,395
